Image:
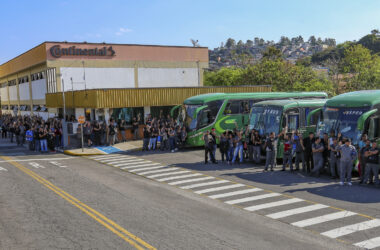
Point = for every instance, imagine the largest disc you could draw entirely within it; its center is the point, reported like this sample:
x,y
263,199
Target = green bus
x,y
222,110
353,114
275,115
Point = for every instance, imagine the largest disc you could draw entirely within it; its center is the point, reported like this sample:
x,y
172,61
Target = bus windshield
x,y
204,117
266,119
342,120
190,117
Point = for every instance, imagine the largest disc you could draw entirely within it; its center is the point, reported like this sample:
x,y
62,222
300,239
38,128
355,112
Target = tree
x,y
356,59
272,53
249,43
375,32
284,41
223,77
312,40
230,43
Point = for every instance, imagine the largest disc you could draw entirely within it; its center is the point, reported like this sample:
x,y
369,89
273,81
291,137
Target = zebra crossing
x,y
349,227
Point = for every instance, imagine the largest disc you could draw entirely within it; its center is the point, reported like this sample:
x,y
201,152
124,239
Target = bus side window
x,y
233,107
374,128
244,107
315,118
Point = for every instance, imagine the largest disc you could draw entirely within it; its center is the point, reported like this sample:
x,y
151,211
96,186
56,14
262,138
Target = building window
x,y
12,82
51,80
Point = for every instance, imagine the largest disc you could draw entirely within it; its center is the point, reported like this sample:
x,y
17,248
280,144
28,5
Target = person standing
x,y
270,148
223,146
308,144
334,158
36,135
146,139
97,133
135,128
238,152
299,150
43,134
347,156
122,128
256,140
364,145
372,166
111,132
214,145
29,138
208,147
231,149
317,149
87,130
287,156
183,136
172,139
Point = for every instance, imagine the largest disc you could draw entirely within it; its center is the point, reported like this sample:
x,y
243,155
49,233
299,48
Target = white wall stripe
x,y
273,204
369,244
179,177
253,198
204,184
209,190
138,165
341,231
323,218
191,180
166,174
158,171
296,211
142,169
244,191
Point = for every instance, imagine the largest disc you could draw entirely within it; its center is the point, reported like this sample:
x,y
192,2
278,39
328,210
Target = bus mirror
x,y
363,118
308,119
198,110
174,109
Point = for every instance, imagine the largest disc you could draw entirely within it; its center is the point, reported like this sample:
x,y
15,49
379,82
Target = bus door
x,y
374,127
293,119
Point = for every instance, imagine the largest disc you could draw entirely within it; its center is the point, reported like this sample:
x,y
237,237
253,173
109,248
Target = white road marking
x,y
323,218
104,157
130,163
244,191
166,174
204,184
296,211
273,204
341,231
118,159
252,198
179,177
369,244
209,190
141,169
40,159
36,165
191,180
158,171
141,165
57,164
3,169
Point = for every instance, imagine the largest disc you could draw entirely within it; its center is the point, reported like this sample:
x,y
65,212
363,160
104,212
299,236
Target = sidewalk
x,y
119,147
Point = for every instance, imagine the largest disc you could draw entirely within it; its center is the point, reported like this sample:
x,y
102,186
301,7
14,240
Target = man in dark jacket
x,y
308,144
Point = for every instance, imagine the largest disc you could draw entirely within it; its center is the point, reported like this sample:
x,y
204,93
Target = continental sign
x,y
57,52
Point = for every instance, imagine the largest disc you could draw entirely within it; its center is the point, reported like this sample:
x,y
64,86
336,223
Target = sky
x,y
27,23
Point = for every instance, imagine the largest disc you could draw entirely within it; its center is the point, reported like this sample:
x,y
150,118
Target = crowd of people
x,y
163,134
330,153
40,135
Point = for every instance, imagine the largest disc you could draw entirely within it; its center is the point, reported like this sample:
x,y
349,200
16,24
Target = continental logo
x,y
57,52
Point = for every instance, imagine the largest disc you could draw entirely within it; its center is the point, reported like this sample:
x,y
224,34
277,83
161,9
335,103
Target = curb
x,y
68,152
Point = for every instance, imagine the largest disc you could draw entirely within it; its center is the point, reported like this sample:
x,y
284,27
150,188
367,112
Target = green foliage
x,y
272,53
281,75
222,77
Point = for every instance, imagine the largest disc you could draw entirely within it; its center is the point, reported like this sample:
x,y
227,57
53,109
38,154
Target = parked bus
x,y
353,114
275,115
222,110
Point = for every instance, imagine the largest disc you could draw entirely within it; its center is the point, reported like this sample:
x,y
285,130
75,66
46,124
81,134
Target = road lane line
x,y
191,180
253,198
273,204
295,211
142,169
158,171
166,174
35,165
204,184
179,177
97,158
3,169
369,244
109,224
323,218
118,159
41,159
341,231
244,191
209,190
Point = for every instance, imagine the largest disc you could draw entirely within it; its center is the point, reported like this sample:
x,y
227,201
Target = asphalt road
x,y
53,201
